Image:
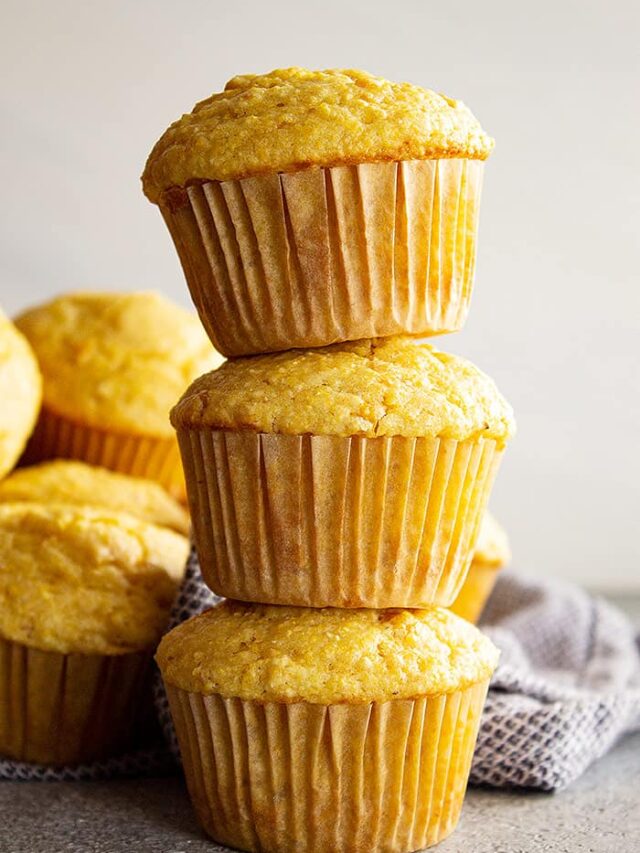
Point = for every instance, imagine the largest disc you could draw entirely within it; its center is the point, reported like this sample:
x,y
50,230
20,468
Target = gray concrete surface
x,y
600,814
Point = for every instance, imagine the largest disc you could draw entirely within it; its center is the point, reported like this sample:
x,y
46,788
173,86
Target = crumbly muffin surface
x,y
20,393
88,580
66,481
390,386
293,118
117,360
492,548
290,654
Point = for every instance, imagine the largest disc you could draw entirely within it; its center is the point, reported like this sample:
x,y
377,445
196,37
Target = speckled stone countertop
x,y
600,813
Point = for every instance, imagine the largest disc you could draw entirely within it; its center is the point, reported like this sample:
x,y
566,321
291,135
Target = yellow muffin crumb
x,y
117,361
68,482
492,548
20,393
85,579
492,553
290,654
391,386
293,117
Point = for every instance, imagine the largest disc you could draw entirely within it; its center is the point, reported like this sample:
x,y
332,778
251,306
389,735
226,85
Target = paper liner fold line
x,y
336,521
305,778
68,708
150,457
308,258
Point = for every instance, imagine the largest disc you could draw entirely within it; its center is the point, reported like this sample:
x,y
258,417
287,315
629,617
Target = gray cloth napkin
x,y
154,761
566,688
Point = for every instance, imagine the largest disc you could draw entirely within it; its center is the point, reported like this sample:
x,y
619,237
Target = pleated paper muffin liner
x,y
58,709
322,255
306,778
154,458
475,591
336,521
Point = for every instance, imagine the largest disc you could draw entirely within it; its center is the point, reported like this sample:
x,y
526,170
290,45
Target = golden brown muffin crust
x,y
293,118
20,393
325,656
65,481
83,579
390,386
492,547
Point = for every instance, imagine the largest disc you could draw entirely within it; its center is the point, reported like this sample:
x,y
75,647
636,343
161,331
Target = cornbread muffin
x,y
113,364
85,594
309,207
20,392
492,553
64,481
346,705
351,476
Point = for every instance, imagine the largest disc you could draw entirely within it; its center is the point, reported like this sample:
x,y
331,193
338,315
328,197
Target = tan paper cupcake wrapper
x,y
140,456
305,778
67,709
324,255
336,521
475,591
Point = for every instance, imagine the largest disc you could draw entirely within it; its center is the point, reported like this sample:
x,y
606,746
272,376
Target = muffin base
x,y
68,708
154,458
305,778
475,591
337,521
321,255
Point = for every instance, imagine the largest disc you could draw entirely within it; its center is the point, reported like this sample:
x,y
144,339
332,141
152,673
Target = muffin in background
x,y
65,481
20,392
113,364
311,207
85,595
304,730
492,553
350,476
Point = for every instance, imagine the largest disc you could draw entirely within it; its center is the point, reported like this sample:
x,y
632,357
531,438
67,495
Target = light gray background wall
x,y
87,87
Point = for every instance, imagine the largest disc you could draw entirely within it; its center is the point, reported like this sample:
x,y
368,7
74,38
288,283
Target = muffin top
x,y
117,360
20,393
290,654
293,118
492,548
390,386
68,482
83,579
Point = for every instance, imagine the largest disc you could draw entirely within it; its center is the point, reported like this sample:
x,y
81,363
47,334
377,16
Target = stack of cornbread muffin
x,y
337,467
90,559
